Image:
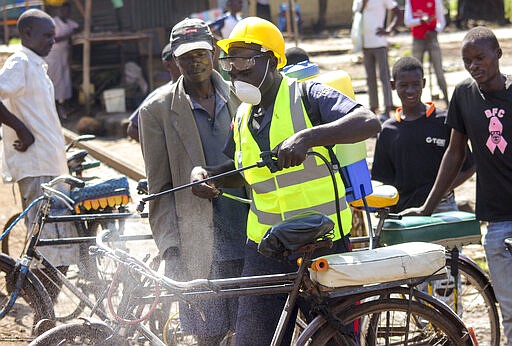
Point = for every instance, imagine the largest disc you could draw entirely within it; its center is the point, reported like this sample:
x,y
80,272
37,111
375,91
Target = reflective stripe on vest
x,y
279,195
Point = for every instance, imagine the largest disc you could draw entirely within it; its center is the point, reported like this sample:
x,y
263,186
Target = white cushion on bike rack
x,y
385,264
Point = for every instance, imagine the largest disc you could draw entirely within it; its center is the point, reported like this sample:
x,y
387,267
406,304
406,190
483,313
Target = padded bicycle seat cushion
x,y
453,228
100,194
293,233
385,264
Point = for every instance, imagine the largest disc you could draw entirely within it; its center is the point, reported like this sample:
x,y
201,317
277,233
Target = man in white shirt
x,y
58,58
375,48
426,19
33,141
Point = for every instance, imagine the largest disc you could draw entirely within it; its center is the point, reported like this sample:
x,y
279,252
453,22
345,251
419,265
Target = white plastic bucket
x,y
114,100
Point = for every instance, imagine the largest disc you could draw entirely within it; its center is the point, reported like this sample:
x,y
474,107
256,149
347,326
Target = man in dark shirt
x,y
411,145
480,111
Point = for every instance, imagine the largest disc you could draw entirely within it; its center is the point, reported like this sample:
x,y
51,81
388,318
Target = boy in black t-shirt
x,y
410,146
480,110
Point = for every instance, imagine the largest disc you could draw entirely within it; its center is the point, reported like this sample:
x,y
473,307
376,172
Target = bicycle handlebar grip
x,y
320,265
141,206
74,182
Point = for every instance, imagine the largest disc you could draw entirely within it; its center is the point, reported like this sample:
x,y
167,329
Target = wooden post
x,y
295,24
87,57
80,7
288,20
6,24
150,63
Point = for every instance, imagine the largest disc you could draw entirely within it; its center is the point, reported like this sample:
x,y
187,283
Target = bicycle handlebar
x,y
67,179
62,197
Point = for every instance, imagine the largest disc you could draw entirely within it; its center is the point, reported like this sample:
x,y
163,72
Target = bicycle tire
x,y
32,305
479,304
67,305
91,276
77,333
427,326
14,241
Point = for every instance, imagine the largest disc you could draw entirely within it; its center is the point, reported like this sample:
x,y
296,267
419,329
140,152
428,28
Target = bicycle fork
x,y
20,276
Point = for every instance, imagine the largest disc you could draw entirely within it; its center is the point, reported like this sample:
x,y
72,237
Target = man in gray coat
x,y
186,124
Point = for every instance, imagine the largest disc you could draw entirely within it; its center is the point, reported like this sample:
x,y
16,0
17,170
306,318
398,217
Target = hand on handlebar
x,y
204,190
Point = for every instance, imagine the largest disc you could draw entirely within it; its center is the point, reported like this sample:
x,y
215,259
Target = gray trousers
x,y
419,47
58,255
371,58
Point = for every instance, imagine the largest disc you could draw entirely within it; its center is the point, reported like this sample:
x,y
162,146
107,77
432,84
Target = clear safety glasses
x,y
241,64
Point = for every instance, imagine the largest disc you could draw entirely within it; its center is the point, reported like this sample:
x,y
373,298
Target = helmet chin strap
x,y
265,75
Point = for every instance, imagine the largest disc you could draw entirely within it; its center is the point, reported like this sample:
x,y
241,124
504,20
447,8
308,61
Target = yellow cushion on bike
x,y
382,196
385,264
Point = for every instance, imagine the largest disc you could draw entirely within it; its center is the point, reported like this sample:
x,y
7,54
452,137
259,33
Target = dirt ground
x,y
454,73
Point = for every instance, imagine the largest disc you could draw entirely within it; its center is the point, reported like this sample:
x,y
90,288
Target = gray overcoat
x,y
172,147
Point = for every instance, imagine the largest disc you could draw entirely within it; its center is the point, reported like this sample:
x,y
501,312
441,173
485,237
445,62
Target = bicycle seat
x,y
295,232
142,187
99,194
382,196
77,158
380,265
451,228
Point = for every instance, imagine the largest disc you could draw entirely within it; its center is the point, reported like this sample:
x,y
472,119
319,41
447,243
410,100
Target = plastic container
x,y
302,71
81,96
114,100
352,157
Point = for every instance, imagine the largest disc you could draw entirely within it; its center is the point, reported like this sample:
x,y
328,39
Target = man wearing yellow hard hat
x,y
273,117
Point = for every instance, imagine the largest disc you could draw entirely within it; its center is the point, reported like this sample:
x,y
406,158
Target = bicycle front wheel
x,y
392,321
78,333
33,304
14,242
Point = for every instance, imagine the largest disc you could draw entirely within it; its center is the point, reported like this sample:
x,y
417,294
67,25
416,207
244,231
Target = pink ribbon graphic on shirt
x,y
495,138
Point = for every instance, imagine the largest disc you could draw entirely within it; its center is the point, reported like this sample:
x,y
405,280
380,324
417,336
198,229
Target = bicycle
x,y
385,294
387,312
18,281
470,290
78,162
299,282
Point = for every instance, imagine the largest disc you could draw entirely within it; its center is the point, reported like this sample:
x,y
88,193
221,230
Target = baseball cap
x,y
190,34
166,52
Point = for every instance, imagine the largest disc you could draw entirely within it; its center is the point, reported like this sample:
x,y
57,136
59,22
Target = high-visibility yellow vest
x,y
280,195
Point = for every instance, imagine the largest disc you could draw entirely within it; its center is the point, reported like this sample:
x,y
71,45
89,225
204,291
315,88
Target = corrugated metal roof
x,y
146,14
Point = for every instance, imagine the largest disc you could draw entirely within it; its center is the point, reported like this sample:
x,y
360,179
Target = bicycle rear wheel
x,y
477,303
386,321
32,305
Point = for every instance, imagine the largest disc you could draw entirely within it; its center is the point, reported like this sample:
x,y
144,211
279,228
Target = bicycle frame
x,y
287,283
31,252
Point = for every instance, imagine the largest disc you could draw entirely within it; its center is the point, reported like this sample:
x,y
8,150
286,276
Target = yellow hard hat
x,y
258,31
55,2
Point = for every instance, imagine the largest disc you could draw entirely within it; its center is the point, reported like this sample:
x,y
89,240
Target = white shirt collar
x,y
39,60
